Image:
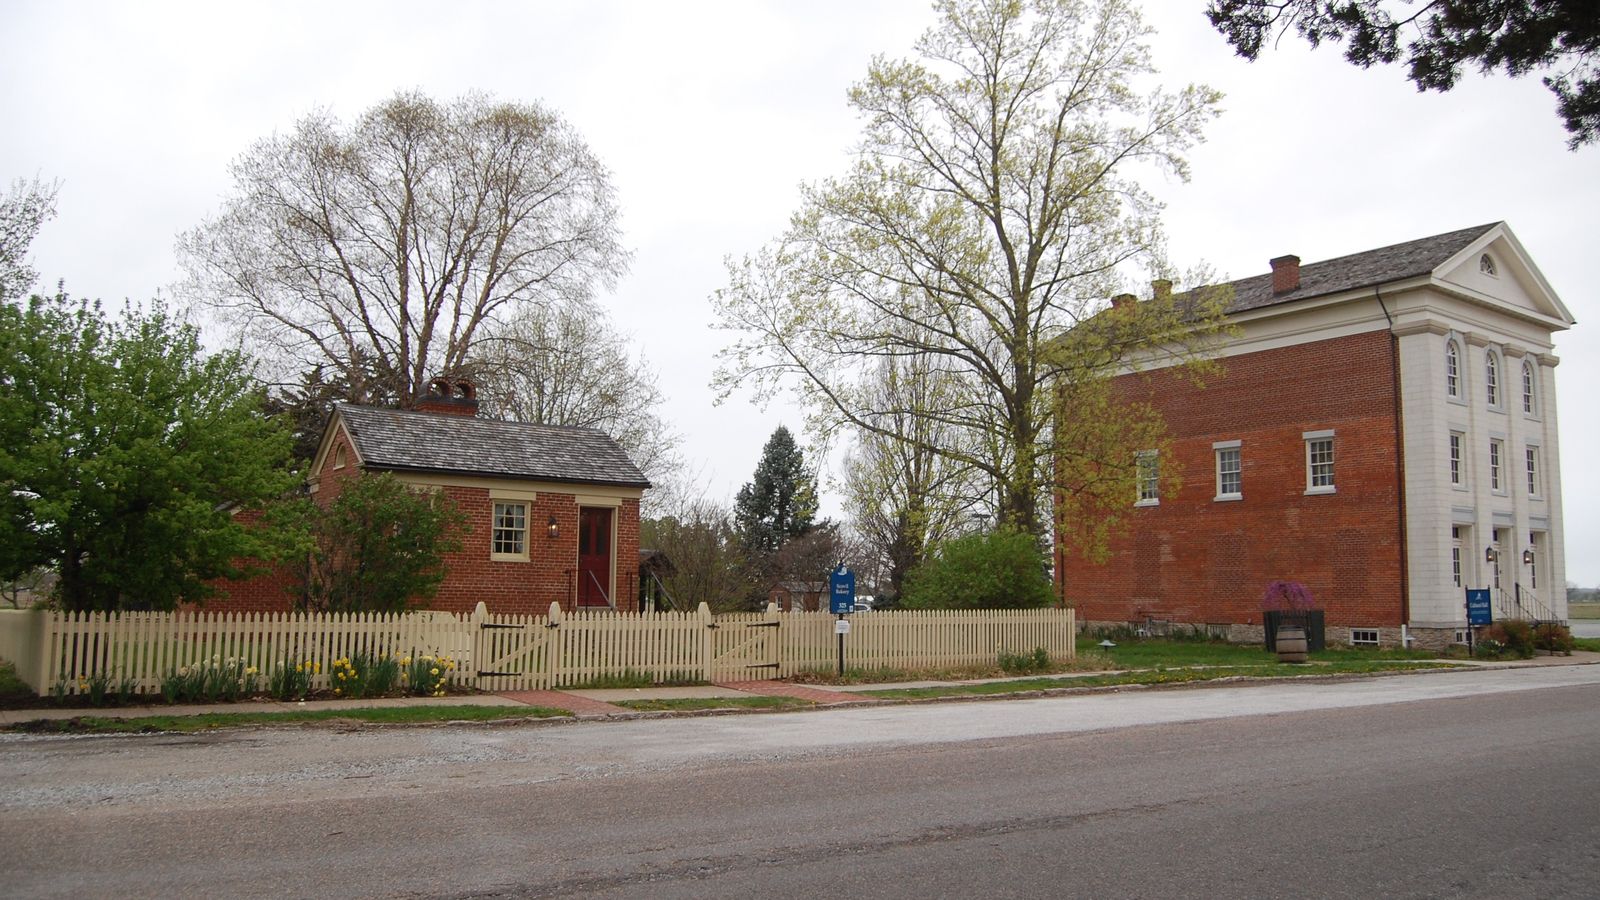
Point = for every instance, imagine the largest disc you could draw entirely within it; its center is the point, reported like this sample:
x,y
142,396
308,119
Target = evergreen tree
x,y
780,502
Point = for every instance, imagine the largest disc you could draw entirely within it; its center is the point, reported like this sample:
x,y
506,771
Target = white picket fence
x,y
56,651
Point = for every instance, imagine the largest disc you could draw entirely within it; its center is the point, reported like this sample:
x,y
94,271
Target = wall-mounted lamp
x,y
1489,555
554,528
1527,557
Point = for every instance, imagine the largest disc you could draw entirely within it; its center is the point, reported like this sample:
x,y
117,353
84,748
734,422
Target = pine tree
x,y
780,502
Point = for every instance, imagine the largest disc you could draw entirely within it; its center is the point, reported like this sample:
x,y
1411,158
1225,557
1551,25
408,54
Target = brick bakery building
x,y
553,511
1384,432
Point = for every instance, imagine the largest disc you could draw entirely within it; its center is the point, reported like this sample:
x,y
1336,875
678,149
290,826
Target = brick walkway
x,y
581,706
784,689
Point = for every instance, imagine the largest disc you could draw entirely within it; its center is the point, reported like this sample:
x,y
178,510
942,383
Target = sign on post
x,y
1478,611
842,593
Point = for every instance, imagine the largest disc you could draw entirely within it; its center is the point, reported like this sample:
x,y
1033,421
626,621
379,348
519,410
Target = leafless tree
x,y
566,365
405,236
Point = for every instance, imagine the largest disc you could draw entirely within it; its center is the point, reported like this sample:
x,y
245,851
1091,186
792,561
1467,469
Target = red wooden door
x,y
594,556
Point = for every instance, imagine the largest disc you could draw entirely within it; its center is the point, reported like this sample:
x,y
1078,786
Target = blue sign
x,y
1478,612
842,591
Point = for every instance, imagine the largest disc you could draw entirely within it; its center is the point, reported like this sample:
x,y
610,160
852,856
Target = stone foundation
x,y
1336,635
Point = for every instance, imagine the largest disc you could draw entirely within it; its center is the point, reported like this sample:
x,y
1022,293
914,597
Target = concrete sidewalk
x,y
600,703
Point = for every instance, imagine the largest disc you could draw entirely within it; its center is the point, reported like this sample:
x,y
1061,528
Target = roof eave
x,y
482,473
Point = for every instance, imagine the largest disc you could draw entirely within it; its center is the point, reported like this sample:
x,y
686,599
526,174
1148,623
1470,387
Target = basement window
x,y
1363,637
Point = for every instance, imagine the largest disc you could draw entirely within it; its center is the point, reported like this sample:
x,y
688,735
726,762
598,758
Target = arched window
x,y
1486,266
1452,369
1528,404
1491,379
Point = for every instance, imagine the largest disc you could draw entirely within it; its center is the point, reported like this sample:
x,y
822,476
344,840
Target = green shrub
x,y
1554,639
1024,663
999,570
1514,636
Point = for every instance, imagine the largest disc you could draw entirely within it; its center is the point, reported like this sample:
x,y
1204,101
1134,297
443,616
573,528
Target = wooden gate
x,y
515,653
744,647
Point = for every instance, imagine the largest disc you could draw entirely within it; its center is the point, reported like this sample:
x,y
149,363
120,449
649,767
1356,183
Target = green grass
x,y
1591,645
1158,676
631,678
1146,654
403,715
1584,610
693,703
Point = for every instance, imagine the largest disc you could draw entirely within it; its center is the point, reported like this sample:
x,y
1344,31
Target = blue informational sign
x,y
842,591
1478,612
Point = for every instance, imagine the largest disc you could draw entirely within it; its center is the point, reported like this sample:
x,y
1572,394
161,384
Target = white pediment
x,y
1495,269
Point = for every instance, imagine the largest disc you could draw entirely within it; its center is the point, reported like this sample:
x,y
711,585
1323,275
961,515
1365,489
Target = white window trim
x,y
527,516
1460,396
1497,469
338,457
1461,481
1495,400
1309,437
1377,637
1529,400
1216,451
1537,475
1138,478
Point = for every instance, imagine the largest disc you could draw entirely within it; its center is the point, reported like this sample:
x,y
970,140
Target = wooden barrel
x,y
1291,644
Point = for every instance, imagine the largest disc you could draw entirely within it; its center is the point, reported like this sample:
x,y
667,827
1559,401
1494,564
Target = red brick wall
x,y
1192,559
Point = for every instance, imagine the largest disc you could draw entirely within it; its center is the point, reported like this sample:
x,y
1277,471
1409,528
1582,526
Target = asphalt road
x,y
1477,784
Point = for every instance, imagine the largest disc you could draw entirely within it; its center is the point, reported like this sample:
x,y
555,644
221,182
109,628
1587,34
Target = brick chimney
x,y
454,397
1285,274
1122,300
1161,289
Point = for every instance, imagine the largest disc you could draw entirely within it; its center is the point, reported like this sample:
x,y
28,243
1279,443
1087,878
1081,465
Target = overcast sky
x,y
710,114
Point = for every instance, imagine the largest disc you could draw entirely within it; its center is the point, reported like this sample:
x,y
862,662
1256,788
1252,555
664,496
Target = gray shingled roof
x,y
437,442
1358,270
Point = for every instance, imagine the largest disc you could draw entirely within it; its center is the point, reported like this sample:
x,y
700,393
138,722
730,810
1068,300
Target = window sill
x,y
1318,491
1143,503
508,557
1459,401
1224,498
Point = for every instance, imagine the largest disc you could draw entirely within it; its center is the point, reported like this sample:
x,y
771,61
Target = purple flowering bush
x,y
1287,596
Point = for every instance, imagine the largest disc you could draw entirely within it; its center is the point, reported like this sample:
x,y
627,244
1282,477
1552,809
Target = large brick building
x,y
553,512
1383,431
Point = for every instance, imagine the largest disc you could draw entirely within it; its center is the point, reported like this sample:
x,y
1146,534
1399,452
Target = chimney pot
x,y
1285,274
1122,300
456,398
1161,288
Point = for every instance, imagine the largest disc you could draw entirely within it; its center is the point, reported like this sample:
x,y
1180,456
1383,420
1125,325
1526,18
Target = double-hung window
x,y
1147,471
1319,462
1452,370
509,536
1532,456
1491,379
1230,470
1529,404
1458,469
1496,457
